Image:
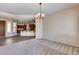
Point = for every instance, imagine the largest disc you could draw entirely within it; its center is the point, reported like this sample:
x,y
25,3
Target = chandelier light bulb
x,y
40,15
36,15
43,15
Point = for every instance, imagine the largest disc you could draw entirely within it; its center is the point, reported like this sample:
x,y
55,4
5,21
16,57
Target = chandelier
x,y
40,15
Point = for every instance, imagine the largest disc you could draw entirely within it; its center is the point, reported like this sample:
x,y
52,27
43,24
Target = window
x,y
8,26
14,26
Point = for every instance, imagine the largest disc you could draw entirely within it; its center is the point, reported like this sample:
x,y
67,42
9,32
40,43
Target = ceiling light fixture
x,y
40,15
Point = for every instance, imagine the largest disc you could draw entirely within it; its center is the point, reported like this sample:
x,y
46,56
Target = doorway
x,y
2,28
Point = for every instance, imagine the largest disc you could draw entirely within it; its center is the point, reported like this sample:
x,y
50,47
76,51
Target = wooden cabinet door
x,y
2,28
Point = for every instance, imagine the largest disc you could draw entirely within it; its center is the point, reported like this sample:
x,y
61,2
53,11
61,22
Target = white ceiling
x,y
32,8
27,11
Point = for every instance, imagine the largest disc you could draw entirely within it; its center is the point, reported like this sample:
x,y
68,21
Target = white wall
x,y
39,28
62,27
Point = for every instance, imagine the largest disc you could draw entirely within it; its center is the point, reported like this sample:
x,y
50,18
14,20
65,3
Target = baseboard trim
x,y
7,36
2,37
61,43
